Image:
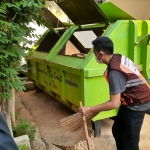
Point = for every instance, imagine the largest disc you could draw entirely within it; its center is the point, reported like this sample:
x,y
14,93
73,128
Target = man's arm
x,y
117,83
112,104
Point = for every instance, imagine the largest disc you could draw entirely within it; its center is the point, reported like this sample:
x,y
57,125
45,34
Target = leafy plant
x,y
15,15
25,127
23,147
15,36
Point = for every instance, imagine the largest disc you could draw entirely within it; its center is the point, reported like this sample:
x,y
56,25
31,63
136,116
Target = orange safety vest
x,y
137,89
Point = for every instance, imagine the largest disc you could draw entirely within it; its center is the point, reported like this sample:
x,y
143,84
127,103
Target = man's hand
x,y
84,110
109,105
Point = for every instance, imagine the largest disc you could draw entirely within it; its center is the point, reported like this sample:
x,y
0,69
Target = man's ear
x,y
101,52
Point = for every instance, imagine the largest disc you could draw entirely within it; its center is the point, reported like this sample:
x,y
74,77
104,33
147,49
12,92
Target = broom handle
x,y
85,128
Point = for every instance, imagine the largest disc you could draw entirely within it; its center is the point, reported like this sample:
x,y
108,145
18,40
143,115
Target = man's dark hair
x,y
103,43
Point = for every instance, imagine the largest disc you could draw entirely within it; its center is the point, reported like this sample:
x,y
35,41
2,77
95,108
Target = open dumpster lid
x,y
52,18
82,11
114,13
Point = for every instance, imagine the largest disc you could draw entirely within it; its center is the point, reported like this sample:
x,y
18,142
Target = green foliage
x,y
17,115
23,147
15,15
25,127
2,13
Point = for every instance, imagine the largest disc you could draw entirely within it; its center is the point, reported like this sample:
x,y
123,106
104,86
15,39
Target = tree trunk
x,y
6,109
8,116
13,108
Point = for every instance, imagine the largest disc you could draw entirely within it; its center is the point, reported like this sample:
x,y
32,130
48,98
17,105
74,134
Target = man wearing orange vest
x,y
126,84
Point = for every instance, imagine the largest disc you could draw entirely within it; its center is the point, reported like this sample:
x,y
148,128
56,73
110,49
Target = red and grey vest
x,y
137,89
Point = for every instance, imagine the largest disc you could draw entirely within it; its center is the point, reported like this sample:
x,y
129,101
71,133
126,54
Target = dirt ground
x,y
47,112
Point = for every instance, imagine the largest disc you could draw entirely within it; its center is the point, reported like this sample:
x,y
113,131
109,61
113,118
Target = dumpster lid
x,y
48,15
114,13
82,11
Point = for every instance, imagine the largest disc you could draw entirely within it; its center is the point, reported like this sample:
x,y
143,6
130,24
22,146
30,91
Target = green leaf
x,y
25,4
12,5
2,75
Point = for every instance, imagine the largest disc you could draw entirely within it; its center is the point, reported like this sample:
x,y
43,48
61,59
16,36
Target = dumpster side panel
x,y
97,92
139,53
64,83
119,34
145,49
73,88
54,79
31,74
41,74
95,89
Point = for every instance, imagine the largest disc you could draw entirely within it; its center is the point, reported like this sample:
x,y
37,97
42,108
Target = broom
x,y
75,121
86,130
81,120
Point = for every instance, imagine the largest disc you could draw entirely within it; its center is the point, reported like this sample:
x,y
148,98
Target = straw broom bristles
x,y
75,121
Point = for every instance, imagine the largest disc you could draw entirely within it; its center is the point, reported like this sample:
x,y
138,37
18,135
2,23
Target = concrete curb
x,y
23,140
38,143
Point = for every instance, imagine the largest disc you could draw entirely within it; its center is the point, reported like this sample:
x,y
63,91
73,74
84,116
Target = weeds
x,y
23,147
25,127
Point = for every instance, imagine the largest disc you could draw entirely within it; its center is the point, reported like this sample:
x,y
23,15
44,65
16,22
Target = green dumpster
x,y
63,63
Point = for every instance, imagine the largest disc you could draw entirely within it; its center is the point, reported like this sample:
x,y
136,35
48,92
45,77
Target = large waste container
x,y
63,63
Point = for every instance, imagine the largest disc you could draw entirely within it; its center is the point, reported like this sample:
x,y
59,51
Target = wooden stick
x,y
85,128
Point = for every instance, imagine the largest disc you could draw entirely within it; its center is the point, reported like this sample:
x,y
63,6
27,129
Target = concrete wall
x,y
139,9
